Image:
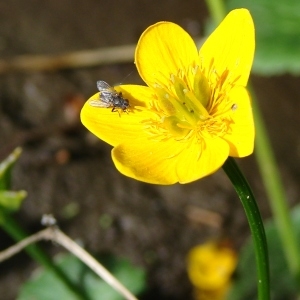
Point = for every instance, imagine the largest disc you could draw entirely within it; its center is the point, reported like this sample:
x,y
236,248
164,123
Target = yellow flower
x,y
210,267
195,110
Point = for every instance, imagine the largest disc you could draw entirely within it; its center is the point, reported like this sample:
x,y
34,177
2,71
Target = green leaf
x,y
277,26
10,200
283,286
47,287
6,167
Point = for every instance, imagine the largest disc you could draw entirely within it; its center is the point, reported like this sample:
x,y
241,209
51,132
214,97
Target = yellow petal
x,y
241,135
113,127
193,164
210,266
230,47
163,49
169,161
147,160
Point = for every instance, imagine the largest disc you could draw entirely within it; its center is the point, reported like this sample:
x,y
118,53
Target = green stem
x,y
256,225
275,191
17,233
217,10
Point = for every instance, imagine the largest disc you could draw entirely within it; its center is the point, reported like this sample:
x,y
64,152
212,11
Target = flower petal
x,y
147,160
163,49
193,164
169,161
113,127
230,47
241,135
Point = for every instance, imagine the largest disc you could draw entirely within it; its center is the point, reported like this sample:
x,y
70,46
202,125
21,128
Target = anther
x,y
234,107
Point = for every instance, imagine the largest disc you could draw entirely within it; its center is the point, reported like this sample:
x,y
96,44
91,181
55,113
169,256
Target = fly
x,y
109,97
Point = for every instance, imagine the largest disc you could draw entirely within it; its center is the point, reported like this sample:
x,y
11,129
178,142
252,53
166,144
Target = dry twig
x,y
54,234
85,58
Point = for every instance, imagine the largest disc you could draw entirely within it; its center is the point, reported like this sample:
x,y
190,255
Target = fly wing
x,y
99,103
103,86
105,95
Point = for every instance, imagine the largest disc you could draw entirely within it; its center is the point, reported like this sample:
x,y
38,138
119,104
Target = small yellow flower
x,y
195,110
210,267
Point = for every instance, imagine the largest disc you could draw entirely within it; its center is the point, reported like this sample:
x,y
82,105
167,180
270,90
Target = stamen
x,y
187,106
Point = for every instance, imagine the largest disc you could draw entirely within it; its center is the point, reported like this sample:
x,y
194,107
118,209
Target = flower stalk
x,y
256,226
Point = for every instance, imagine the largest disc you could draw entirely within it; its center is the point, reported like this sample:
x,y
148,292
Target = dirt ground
x,y
69,173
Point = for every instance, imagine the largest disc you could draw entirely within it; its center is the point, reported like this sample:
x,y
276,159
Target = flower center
x,y
187,107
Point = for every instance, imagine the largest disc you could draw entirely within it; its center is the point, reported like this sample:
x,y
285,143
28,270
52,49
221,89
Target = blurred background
x,y
69,173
